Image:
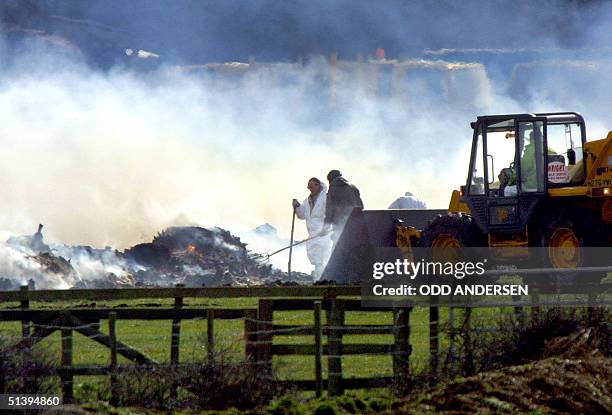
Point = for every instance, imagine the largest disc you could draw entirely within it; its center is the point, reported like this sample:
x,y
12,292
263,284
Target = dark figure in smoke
x,y
342,197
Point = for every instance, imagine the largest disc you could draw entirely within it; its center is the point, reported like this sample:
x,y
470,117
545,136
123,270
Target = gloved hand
x,y
295,203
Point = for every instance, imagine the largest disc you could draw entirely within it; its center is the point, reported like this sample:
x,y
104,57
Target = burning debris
x,y
190,255
33,242
198,256
53,264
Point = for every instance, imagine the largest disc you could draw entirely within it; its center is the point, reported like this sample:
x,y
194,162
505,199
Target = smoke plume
x,y
105,152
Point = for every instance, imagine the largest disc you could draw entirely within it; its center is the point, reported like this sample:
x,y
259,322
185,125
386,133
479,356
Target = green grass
x,y
152,337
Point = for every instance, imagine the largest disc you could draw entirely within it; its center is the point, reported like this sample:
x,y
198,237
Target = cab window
x,y
477,181
565,164
501,148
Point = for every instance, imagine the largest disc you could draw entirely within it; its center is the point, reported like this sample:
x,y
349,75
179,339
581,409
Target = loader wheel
x,y
564,248
446,235
452,230
565,237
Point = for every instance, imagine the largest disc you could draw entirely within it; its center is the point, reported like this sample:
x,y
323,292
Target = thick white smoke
x,y
19,267
110,158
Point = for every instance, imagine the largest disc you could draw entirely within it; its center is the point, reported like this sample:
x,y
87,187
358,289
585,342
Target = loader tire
x,y
452,229
564,237
446,237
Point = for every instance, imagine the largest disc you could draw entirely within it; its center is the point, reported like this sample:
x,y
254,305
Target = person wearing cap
x,y
342,197
408,201
312,210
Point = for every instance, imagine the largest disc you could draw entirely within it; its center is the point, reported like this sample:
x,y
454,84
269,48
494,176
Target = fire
x,y
191,248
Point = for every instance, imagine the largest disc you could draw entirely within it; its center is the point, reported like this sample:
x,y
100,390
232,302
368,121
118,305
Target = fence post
x,y
334,348
66,361
434,339
175,339
2,377
402,349
112,318
210,335
591,299
451,358
535,307
468,362
265,316
318,332
176,330
250,336
24,305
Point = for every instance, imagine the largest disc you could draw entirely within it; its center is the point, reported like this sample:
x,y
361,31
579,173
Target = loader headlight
x,y
601,191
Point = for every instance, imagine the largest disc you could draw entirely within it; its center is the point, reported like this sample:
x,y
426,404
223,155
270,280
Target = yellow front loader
x,y
534,181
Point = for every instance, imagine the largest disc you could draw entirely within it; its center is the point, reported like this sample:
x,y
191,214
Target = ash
x,y
189,255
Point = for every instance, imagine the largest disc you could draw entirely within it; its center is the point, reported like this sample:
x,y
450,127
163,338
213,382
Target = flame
x,y
191,248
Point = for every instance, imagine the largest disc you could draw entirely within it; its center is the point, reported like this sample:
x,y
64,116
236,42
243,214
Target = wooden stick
x,y
25,304
291,244
176,332
67,379
318,332
334,344
210,335
112,318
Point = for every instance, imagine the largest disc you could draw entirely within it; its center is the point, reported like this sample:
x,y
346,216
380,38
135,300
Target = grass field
x,y
152,337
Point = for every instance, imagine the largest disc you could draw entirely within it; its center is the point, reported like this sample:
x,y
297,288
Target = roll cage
x,y
486,193
504,122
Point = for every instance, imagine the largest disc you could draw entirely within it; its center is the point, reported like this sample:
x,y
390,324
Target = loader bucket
x,y
365,230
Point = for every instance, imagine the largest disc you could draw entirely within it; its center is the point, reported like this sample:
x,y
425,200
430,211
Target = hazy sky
x,y
104,153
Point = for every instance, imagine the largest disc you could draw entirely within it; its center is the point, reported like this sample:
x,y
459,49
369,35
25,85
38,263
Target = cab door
x,y
500,159
515,166
531,165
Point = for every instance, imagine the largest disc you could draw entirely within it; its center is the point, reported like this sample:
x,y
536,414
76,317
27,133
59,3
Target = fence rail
x,y
323,291
260,329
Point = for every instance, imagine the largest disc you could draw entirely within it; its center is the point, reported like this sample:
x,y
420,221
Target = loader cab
x,y
515,159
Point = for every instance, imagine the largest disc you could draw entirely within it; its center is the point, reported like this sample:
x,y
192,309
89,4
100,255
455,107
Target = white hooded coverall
x,y
318,249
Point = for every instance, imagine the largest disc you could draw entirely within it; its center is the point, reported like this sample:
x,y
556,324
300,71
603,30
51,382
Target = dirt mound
x,y
580,344
575,378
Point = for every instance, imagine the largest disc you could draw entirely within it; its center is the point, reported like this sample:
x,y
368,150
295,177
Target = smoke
x,y
189,31
110,157
19,266
61,266
266,244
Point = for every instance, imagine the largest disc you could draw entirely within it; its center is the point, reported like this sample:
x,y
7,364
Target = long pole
x,y
291,244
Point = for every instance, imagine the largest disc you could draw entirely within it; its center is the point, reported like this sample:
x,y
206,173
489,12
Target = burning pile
x,y
198,256
192,256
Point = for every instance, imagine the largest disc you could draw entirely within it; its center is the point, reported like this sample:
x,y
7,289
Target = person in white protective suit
x,y
312,210
409,201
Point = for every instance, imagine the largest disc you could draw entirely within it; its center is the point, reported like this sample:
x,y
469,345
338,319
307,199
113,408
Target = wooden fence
x,y
335,328
259,330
